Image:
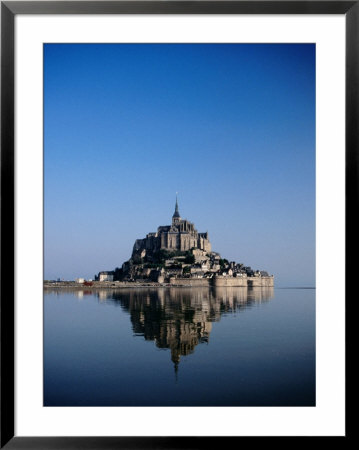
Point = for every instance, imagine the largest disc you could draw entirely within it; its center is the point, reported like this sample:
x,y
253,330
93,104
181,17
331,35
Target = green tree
x,y
189,259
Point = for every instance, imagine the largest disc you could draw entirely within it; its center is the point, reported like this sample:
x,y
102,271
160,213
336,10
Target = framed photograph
x,y
177,181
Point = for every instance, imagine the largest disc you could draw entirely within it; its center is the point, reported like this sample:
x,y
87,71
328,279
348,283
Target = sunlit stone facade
x,y
180,235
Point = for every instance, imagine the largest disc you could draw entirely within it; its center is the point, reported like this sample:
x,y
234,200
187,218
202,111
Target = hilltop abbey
x,y
178,254
180,236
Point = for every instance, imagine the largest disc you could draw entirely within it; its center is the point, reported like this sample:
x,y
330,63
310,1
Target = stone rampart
x,y
229,281
260,281
199,282
220,281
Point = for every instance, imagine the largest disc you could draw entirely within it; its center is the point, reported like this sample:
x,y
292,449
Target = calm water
x,y
180,347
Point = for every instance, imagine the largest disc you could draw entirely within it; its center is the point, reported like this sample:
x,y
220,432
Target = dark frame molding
x,y
8,11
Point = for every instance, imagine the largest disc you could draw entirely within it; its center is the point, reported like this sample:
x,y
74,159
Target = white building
x,y
105,276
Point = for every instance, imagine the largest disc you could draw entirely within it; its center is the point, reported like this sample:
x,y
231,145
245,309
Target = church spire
x,y
176,213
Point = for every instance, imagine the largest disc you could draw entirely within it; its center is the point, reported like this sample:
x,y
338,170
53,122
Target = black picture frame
x,y
9,9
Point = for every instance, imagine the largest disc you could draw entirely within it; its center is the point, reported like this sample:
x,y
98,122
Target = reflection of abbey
x,y
181,235
179,319
178,254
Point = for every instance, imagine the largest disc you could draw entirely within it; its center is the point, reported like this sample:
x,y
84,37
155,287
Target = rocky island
x,y
178,254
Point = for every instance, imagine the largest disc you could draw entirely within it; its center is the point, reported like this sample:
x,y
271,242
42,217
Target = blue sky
x,y
231,127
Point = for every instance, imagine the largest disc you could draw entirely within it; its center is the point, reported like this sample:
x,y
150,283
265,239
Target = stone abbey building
x,y
178,254
181,235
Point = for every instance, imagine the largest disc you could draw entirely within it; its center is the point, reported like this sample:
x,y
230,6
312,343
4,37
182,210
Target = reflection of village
x,y
179,318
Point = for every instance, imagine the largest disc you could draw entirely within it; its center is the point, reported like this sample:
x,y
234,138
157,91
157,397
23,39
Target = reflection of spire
x,y
176,371
175,357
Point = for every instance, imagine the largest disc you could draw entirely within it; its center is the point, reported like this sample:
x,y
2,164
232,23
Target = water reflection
x,y
179,319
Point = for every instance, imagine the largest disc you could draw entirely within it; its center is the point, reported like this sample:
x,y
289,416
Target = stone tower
x,y
176,218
